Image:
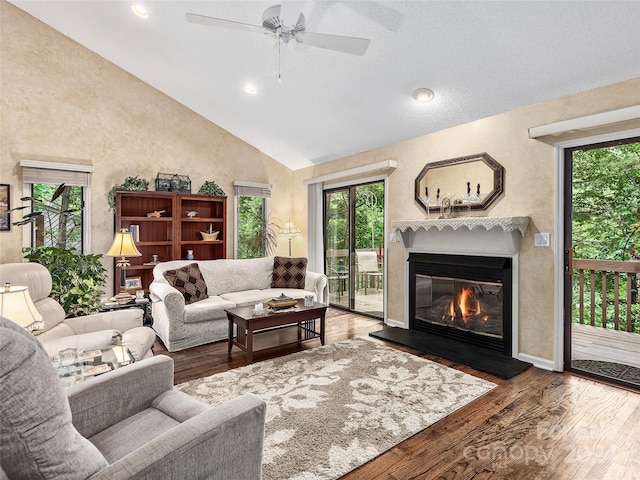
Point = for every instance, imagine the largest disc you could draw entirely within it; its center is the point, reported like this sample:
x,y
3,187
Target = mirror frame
x,y
498,181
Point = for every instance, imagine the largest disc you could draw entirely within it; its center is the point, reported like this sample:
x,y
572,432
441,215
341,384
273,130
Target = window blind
x,y
250,189
45,175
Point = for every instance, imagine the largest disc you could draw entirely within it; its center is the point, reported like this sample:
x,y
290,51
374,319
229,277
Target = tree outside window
x,y
58,219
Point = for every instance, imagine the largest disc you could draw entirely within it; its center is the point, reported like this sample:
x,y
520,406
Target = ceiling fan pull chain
x,y
279,60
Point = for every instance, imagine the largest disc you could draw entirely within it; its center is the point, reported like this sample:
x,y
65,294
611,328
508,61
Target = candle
x,y
478,190
438,194
426,192
468,188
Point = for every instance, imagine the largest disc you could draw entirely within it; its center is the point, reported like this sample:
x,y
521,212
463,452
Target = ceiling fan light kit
x,y
140,11
423,95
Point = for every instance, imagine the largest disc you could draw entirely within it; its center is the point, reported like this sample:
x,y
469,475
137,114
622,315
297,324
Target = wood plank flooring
x,y
538,425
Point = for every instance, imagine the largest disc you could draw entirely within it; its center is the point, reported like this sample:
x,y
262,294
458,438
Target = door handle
x,y
568,261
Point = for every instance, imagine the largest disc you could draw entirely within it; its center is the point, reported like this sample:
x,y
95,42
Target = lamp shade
x,y
289,230
17,306
123,245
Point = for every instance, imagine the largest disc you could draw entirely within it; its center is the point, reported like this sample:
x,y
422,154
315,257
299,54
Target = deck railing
x,y
611,291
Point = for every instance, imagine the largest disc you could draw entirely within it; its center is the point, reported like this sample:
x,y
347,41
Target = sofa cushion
x,y
248,297
188,280
289,272
234,275
296,293
209,309
37,438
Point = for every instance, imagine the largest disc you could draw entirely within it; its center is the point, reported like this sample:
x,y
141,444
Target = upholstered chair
x,y
83,333
127,423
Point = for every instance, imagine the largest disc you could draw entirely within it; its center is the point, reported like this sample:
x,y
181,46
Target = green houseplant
x,y
130,183
212,189
77,278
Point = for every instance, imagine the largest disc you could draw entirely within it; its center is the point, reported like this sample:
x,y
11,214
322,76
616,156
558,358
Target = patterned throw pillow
x,y
288,272
188,280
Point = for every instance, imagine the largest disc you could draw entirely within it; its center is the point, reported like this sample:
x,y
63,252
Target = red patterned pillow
x,y
289,272
189,281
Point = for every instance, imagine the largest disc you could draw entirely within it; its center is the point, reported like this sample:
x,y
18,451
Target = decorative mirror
x,y
472,182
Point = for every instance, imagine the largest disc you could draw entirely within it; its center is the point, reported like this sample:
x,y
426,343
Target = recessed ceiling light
x,y
423,95
250,88
140,11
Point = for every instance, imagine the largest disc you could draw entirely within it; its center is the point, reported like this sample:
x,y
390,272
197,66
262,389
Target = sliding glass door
x,y
354,239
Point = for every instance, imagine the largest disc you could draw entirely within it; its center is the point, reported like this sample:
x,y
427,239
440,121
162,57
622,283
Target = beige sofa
x,y
230,283
83,333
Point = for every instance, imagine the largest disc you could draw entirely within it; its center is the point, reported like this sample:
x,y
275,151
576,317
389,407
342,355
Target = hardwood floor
x,y
538,425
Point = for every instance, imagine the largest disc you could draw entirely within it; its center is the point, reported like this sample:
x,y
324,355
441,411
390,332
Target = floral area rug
x,y
334,408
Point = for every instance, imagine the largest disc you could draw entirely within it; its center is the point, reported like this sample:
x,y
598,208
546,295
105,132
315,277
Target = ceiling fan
x,y
287,22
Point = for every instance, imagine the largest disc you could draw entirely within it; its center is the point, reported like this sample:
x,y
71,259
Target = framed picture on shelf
x,y
5,205
133,283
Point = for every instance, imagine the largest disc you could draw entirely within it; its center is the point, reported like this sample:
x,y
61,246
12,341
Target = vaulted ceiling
x,y
479,57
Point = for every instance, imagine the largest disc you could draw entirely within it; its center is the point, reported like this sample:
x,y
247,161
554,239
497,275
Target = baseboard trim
x,y
542,363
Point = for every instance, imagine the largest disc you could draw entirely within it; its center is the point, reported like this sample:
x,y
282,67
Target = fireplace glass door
x,y
468,305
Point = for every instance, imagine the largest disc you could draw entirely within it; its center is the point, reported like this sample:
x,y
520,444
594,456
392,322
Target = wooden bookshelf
x,y
173,233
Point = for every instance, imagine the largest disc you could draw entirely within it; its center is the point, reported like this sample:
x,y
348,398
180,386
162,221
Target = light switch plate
x,y
541,240
393,238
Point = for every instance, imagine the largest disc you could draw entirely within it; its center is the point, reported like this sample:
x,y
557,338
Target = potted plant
x,y
130,183
267,236
77,279
211,189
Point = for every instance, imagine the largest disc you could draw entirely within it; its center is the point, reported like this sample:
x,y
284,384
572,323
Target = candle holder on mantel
x,y
426,201
445,207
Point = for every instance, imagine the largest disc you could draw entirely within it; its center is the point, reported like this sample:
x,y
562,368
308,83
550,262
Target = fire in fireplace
x,y
463,297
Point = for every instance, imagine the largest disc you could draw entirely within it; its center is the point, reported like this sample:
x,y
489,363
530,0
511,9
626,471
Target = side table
x,y
144,304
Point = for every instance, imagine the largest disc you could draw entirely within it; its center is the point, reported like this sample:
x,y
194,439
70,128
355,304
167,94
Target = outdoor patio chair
x,y
368,267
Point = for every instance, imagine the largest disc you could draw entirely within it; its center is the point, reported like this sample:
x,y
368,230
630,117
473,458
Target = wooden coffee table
x,y
248,324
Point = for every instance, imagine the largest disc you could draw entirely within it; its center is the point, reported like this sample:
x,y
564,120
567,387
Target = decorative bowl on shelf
x,y
210,236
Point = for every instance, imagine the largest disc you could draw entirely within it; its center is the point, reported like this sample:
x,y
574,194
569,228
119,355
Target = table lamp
x,y
290,231
17,306
123,246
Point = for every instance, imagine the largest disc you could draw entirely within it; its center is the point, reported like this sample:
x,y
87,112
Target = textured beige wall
x,y
529,190
61,102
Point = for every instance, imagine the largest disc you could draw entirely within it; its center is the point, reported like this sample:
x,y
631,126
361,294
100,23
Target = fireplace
x,y
462,297
461,300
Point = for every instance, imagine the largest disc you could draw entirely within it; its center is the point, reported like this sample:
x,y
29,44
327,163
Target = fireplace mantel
x,y
471,235
508,224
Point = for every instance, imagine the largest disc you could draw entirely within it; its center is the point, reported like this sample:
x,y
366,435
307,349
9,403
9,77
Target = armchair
x,y
128,423
84,332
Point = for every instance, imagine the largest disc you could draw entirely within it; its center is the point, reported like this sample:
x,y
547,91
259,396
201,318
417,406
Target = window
x,y
253,232
63,219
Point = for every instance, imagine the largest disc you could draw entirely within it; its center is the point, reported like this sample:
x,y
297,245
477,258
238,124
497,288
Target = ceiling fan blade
x,y
219,22
353,45
290,11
